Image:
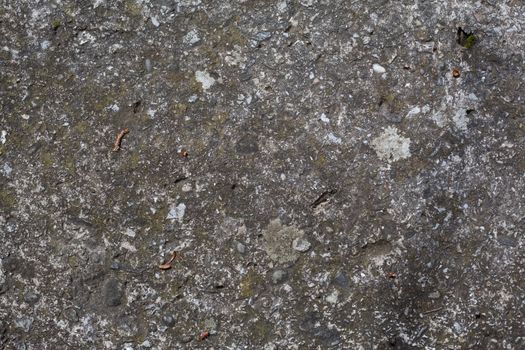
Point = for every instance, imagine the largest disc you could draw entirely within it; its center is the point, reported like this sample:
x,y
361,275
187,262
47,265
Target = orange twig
x,y
121,134
204,335
167,265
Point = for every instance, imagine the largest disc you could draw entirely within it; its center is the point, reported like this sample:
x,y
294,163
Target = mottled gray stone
x,y
247,144
278,276
241,248
112,292
301,245
31,298
168,320
331,174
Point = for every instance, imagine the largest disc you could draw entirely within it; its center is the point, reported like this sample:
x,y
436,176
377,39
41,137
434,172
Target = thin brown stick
x,y
121,134
167,265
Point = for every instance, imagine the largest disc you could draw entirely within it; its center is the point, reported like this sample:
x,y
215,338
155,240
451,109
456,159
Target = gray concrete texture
x,y
296,174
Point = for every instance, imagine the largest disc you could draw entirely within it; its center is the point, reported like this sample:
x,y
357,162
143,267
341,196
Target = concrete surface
x,y
331,174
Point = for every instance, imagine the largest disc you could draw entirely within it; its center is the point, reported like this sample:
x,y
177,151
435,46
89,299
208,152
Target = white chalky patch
x,y
7,170
128,246
177,212
390,146
324,118
97,3
334,139
205,79
3,137
129,232
414,111
460,120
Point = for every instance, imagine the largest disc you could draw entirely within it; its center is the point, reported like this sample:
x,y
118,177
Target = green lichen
x,y
248,284
179,108
470,41
7,199
55,24
81,127
195,86
47,159
70,165
132,7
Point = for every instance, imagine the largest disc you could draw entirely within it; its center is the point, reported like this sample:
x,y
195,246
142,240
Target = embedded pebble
x,y
378,68
278,276
112,292
177,212
241,248
301,245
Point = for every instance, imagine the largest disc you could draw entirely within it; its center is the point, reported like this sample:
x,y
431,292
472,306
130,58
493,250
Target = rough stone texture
x,y
249,120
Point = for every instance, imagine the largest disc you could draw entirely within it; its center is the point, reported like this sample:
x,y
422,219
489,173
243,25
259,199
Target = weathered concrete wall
x,y
332,174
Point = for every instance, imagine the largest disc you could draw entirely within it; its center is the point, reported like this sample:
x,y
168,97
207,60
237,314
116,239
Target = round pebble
x,y
301,245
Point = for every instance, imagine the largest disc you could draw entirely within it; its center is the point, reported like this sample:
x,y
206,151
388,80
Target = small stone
x,y
434,295
112,292
332,298
71,314
186,339
342,280
247,145
259,38
146,344
191,38
24,323
147,64
379,69
278,276
177,212
31,298
155,21
301,245
241,248
168,320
